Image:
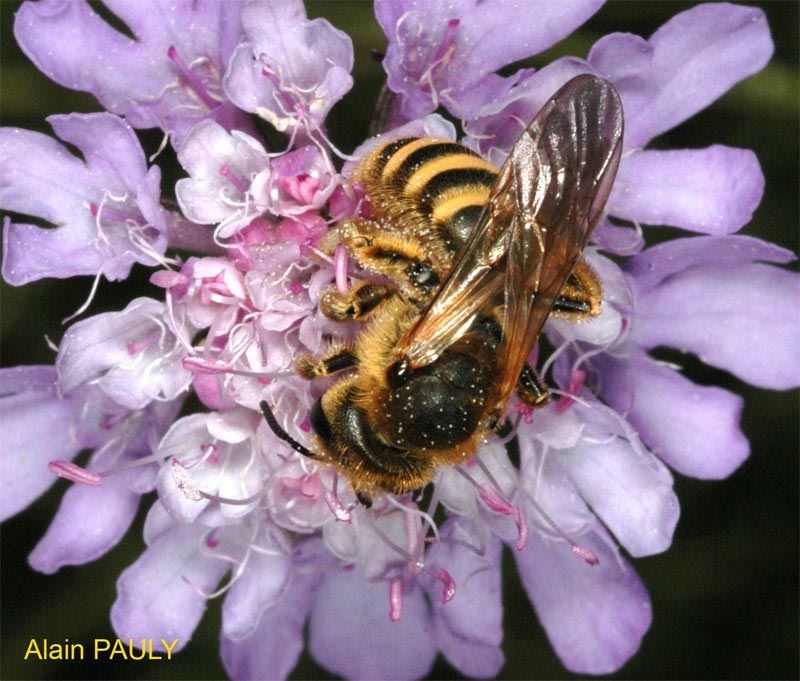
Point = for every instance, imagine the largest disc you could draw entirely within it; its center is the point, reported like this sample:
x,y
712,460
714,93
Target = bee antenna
x,y
281,433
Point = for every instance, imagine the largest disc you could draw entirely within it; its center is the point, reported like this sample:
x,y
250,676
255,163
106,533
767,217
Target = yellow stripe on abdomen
x,y
452,200
461,161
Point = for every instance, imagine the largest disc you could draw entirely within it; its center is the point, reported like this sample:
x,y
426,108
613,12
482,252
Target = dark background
x,y
725,596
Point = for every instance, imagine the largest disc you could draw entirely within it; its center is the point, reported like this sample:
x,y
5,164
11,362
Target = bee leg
x,y
355,303
502,427
364,499
337,360
401,259
581,295
530,388
398,256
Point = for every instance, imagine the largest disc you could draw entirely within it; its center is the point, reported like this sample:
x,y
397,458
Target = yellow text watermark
x,y
106,649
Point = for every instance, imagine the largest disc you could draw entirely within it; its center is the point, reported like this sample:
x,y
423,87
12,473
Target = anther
x,y
341,262
74,472
499,504
448,584
340,513
395,600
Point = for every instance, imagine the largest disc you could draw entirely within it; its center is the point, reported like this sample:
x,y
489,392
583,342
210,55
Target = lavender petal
x,y
744,320
694,429
349,608
94,203
469,627
595,616
75,47
698,55
439,53
271,651
29,399
89,522
258,590
713,190
162,595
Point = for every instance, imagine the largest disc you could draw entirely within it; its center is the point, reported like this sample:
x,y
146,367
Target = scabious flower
x,y
238,513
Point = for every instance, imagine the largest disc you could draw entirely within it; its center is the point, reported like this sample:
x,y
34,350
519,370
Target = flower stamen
x,y
191,79
72,471
341,261
395,600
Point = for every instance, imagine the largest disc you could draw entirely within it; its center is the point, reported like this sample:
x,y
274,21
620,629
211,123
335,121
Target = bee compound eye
x,y
319,421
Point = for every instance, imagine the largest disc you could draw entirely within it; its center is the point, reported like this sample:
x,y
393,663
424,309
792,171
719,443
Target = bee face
x,y
477,259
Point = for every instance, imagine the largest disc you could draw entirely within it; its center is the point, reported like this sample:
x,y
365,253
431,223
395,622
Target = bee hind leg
x,y
581,295
530,388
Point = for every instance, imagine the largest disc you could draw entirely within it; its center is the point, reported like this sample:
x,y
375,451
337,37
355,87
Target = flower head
x,y
247,507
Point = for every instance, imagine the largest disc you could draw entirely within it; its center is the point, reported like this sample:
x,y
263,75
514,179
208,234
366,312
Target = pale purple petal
x,y
292,70
258,590
94,203
75,47
157,522
595,616
690,61
272,650
440,52
28,399
600,330
713,190
89,522
221,166
179,483
349,609
694,429
628,488
469,627
616,239
653,266
162,595
724,307
497,125
744,320
131,354
32,253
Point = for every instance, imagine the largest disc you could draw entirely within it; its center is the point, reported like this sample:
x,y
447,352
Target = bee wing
x,y
548,196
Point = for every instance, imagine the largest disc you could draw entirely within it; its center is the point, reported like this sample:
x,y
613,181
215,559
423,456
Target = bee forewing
x,y
549,194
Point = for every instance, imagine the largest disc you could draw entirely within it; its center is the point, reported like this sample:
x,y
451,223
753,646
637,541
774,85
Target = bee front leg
x,y
364,499
398,256
401,259
337,360
354,303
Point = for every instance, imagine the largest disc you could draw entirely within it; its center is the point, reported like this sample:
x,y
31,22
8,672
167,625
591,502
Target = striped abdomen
x,y
433,187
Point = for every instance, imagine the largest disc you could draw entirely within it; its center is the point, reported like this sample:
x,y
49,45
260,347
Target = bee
x,y
472,261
